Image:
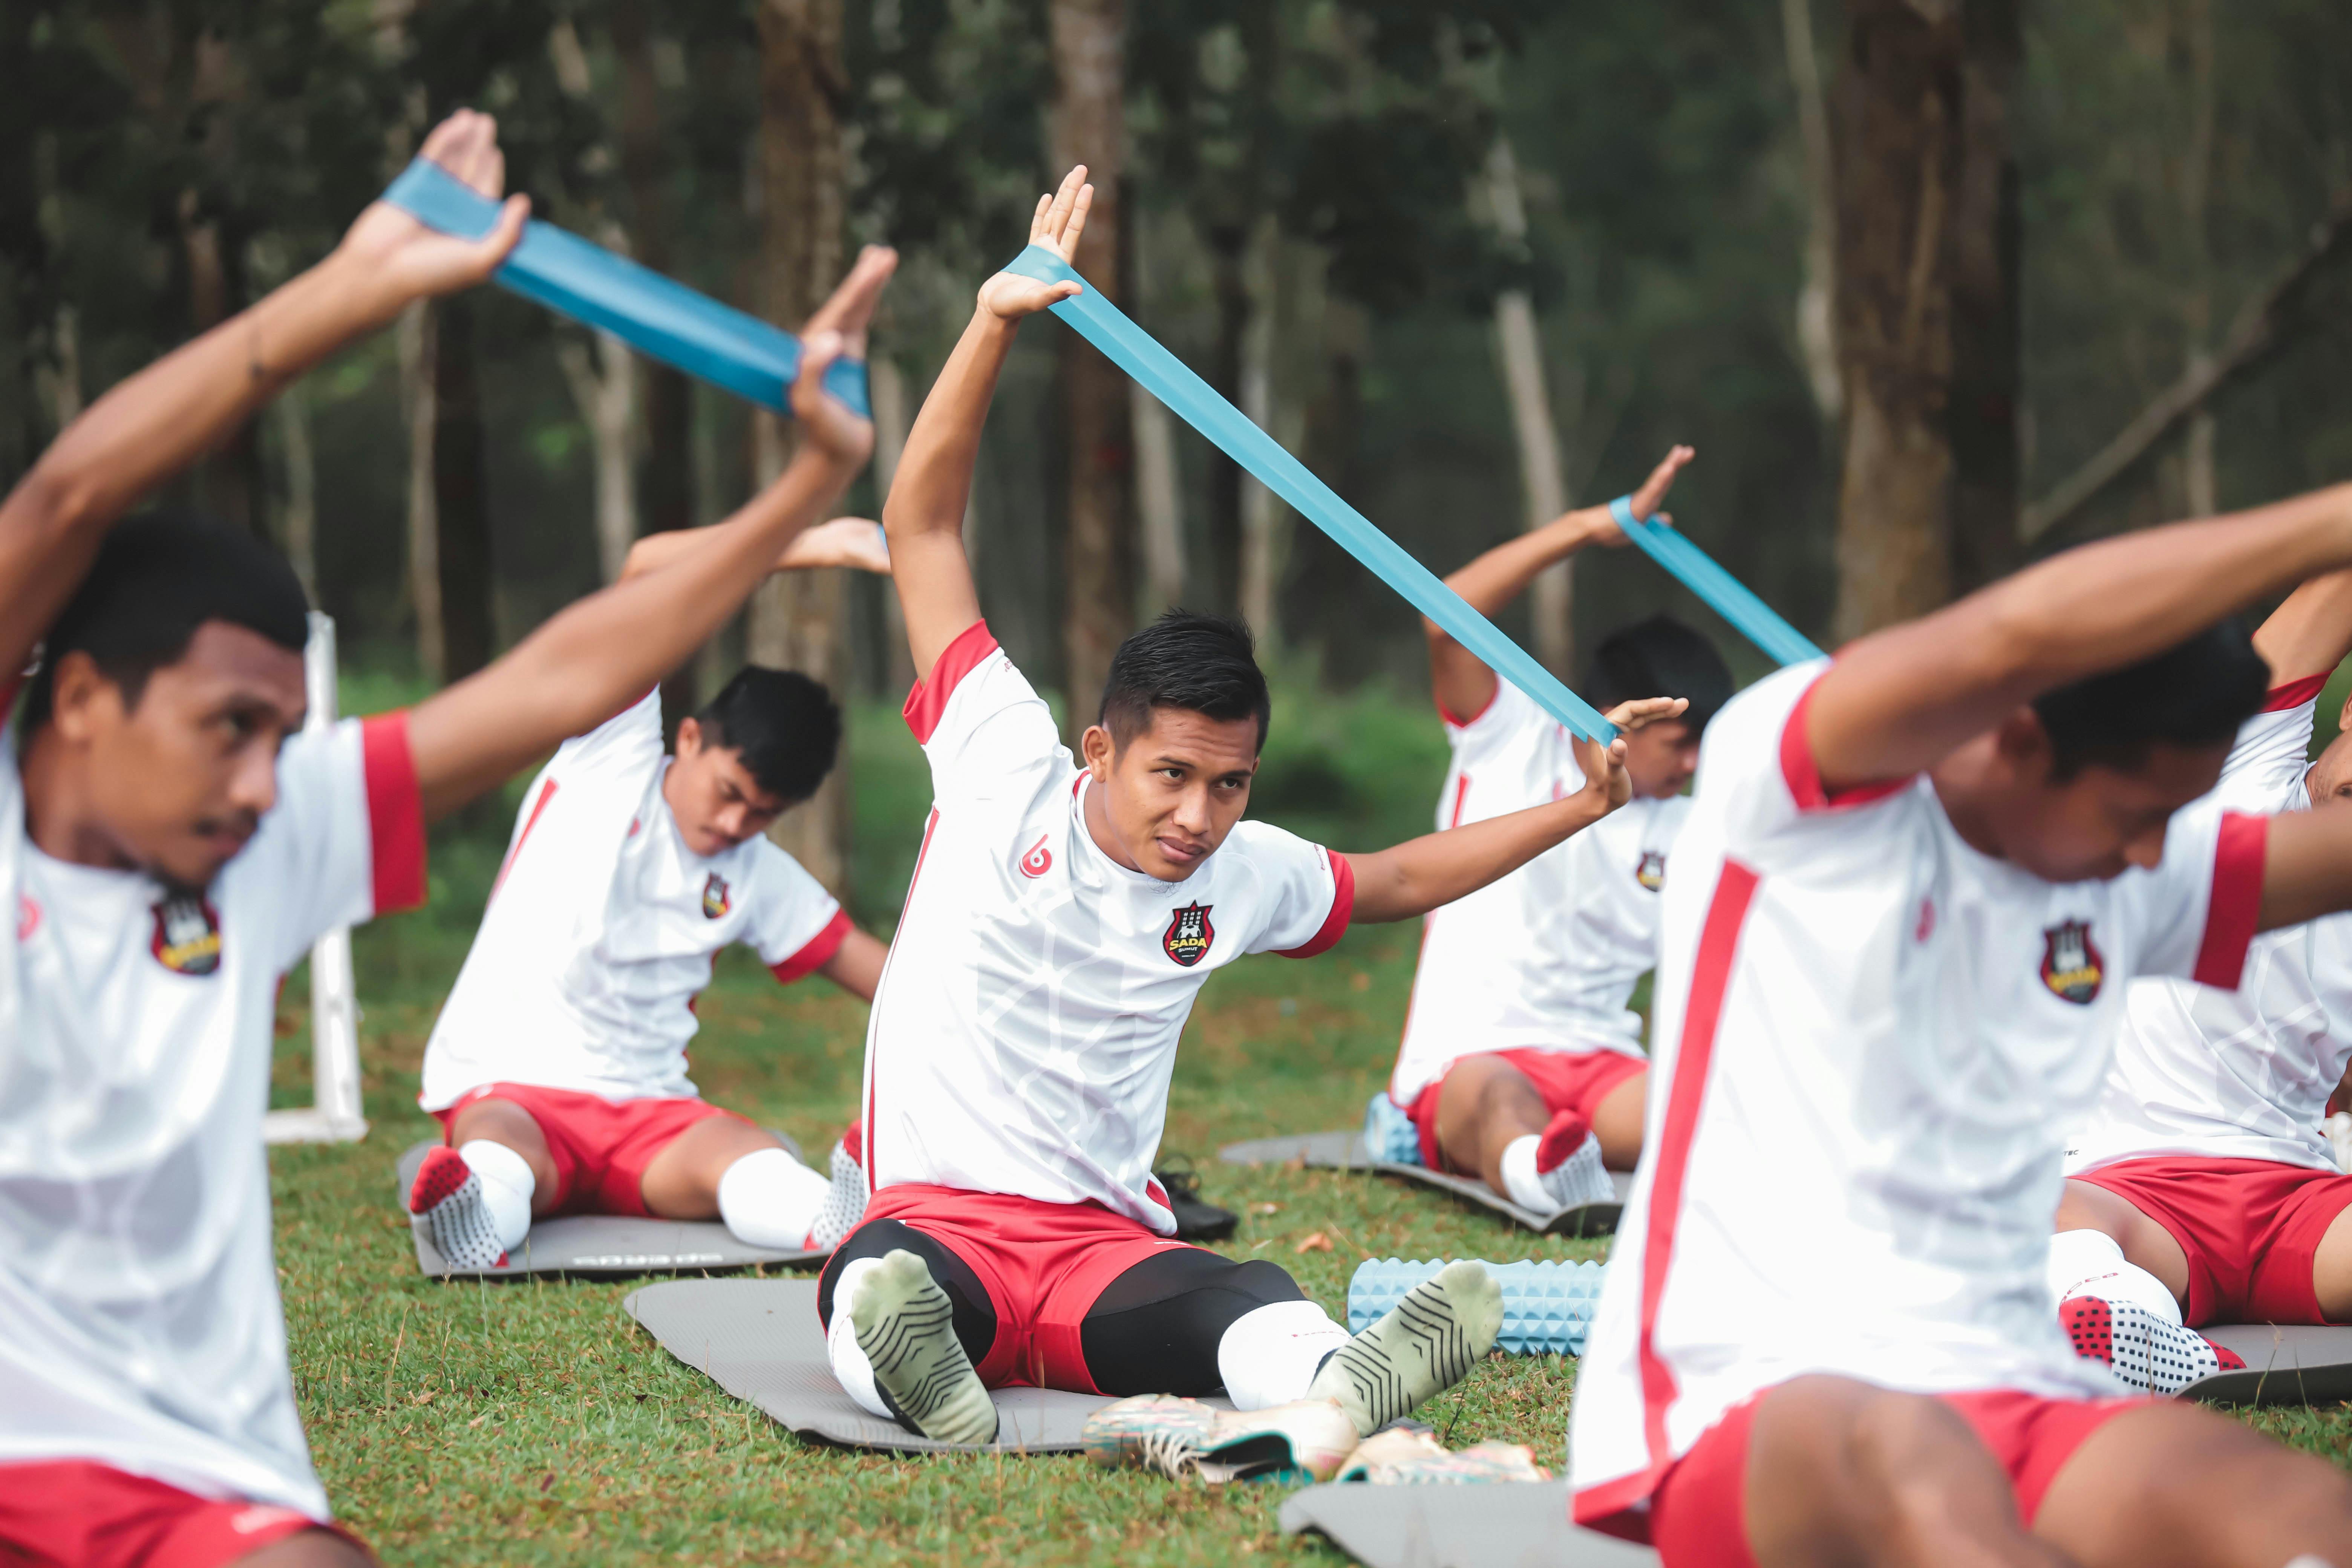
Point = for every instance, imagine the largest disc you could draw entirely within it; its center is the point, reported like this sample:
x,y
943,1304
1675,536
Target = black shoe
x,y
1196,1220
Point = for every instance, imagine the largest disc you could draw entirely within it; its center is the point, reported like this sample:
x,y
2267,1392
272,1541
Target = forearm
x,y
583,665
2310,634
1426,873
923,516
1903,699
1464,683
857,966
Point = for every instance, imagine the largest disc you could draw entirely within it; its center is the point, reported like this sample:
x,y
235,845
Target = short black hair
x,y
2195,693
157,578
1661,658
785,727
1203,663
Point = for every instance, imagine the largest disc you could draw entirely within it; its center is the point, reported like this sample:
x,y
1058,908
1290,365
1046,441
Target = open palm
x,y
1059,220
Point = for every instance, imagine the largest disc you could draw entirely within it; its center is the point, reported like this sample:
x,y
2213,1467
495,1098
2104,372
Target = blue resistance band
x,y
656,315
1164,375
1723,593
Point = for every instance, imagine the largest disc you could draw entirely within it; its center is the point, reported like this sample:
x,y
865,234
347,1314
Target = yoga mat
x,y
1722,593
2286,1364
1546,1306
1345,1152
1192,400
601,1246
759,1340
657,316
1498,1524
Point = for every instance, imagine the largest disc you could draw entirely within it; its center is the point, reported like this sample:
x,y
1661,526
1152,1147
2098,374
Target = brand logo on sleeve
x,y
2072,966
1039,860
714,897
188,939
1189,934
1651,872
28,917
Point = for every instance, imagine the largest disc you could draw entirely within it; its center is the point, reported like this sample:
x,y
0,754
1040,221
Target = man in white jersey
x,y
2202,1189
1521,1063
1061,921
558,1066
172,841
1912,887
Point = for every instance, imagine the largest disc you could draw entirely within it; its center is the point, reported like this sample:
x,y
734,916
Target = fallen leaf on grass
x,y
1316,1242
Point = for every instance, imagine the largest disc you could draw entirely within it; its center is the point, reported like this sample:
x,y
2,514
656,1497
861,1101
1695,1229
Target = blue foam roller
x,y
1196,402
1546,1306
658,316
1390,1135
1724,593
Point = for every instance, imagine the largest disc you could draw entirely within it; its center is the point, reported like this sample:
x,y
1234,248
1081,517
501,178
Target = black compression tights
x,y
1154,1328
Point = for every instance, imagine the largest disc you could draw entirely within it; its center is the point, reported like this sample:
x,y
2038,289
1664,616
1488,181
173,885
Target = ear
x,y
1096,746
2343,715
690,738
81,698
2022,743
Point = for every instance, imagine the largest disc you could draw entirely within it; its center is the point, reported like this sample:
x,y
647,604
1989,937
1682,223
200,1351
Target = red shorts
x,y
76,1513
1568,1080
2251,1228
1044,1265
601,1147
1698,1515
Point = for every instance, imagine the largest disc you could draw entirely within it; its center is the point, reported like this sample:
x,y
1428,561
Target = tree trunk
x,y
667,499
1984,247
1228,249
1159,497
416,340
460,499
1899,171
291,414
224,480
1090,44
1543,486
799,620
2197,310
604,387
1816,323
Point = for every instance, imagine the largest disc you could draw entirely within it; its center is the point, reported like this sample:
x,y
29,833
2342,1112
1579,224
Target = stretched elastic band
x,y
1723,593
656,315
1192,400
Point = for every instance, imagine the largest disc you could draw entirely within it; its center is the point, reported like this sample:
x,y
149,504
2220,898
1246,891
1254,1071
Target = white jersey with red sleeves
x,y
601,928
1855,1005
1026,1026
1547,957
2243,1074
140,1325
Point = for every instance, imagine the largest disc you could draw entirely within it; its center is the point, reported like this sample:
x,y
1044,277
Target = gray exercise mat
x,y
1493,1524
597,1246
759,1340
2288,1365
1345,1152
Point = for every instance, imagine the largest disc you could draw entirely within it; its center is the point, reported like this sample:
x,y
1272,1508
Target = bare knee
x,y
309,1549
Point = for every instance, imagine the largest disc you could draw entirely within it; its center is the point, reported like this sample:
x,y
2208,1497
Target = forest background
x,y
1932,285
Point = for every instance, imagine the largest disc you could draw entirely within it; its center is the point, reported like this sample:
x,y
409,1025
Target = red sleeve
x,y
929,697
1803,774
2236,904
2295,693
1343,906
396,812
816,952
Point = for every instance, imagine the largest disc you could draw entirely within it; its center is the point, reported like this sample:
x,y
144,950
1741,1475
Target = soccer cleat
x,y
906,1326
844,1201
1179,1438
447,1197
1409,1453
1196,1219
1568,1164
2143,1350
1417,1350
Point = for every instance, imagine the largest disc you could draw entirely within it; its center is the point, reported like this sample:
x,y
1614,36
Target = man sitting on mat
x,y
1912,887
1521,1063
557,1070
173,840
1061,921
2203,1190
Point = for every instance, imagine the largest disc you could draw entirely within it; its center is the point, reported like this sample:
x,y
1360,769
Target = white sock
x,y
1522,1185
506,1187
2091,1263
1269,1355
850,1366
770,1199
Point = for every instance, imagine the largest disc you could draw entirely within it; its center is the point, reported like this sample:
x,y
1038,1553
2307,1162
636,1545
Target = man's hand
x,y
1602,528
856,542
402,259
1606,783
1058,221
829,430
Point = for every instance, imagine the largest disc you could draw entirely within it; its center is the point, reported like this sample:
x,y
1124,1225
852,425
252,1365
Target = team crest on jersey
x,y
1651,872
2072,966
188,939
1189,934
714,897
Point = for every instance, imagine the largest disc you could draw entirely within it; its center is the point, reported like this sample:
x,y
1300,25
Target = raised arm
x,y
1901,700
924,515
2310,634
1464,683
1421,874
585,664
852,541
168,415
